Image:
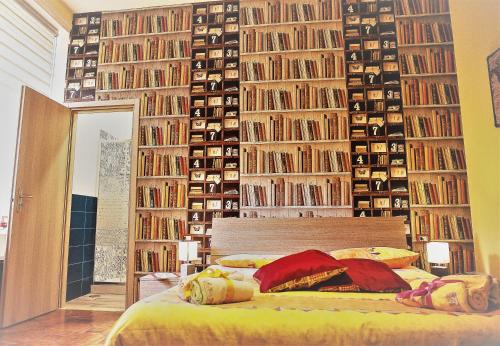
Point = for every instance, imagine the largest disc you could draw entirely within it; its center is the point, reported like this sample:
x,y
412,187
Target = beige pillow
x,y
246,260
394,258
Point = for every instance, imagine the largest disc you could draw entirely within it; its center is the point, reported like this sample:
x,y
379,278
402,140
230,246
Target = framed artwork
x,y
494,73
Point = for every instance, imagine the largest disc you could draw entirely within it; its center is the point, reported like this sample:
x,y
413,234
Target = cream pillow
x,y
246,260
394,258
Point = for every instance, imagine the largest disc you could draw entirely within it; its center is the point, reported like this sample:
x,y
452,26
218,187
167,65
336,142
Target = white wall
x,y
85,173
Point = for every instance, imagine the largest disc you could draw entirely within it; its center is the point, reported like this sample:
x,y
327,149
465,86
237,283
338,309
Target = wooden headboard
x,y
281,236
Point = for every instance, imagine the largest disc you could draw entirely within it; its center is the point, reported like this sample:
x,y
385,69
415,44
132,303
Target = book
x,y
409,7
152,49
442,123
418,92
280,68
301,160
152,164
134,24
425,157
445,191
439,60
414,32
430,226
159,228
169,195
278,193
152,104
281,128
174,74
164,260
173,132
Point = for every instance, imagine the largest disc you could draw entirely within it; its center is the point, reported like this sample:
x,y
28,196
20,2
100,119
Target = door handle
x,y
20,200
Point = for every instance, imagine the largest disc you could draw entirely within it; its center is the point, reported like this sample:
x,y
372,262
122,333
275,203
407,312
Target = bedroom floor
x,y
62,327
97,302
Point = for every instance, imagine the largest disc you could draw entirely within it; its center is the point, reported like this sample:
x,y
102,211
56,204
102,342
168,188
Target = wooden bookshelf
x,y
380,177
214,132
430,126
145,54
293,67
83,49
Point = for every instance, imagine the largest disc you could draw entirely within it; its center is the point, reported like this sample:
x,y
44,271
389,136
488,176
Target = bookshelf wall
x,y
214,133
380,180
81,69
292,108
437,170
295,158
146,54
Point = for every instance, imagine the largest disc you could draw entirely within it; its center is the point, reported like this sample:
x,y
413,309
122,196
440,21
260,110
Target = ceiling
x,y
114,5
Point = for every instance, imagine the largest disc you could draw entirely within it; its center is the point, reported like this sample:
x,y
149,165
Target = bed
x,y
301,317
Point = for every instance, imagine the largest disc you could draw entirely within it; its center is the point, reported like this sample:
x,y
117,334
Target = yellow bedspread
x,y
299,318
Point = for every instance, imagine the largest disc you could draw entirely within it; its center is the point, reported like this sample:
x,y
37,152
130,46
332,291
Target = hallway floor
x,y
97,302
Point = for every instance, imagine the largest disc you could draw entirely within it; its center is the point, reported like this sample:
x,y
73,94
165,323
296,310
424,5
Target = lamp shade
x,y
438,252
188,250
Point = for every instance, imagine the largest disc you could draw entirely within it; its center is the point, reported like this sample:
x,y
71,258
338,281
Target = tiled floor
x,y
61,328
97,302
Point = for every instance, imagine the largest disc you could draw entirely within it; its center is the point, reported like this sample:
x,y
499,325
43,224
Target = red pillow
x,y
366,275
300,270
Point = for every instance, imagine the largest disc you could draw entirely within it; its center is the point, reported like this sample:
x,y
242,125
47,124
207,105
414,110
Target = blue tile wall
x,y
81,246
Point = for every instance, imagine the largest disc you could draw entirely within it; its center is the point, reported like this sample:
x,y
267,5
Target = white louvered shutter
x,y
27,48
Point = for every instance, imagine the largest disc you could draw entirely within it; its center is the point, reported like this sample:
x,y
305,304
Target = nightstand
x,y
155,283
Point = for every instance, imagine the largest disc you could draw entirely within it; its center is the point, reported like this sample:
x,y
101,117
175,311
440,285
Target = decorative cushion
x,y
366,275
246,260
394,258
300,270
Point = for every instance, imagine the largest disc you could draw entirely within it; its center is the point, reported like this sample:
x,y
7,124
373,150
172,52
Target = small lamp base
x,y
439,270
187,269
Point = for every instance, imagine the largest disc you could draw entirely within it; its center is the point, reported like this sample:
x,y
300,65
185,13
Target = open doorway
x,y
98,237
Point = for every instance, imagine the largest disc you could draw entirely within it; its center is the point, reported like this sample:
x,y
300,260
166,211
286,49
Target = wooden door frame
x,y
131,105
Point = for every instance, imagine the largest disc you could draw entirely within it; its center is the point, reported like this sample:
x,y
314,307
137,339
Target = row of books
x,y
424,158
161,261
304,97
461,259
170,195
153,164
153,227
432,226
279,68
416,32
419,92
174,132
443,123
278,13
447,191
134,23
280,193
280,128
302,160
152,104
302,38
152,49
432,61
135,78
408,7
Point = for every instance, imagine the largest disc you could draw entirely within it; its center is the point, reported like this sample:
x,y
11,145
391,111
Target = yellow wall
x,y
476,35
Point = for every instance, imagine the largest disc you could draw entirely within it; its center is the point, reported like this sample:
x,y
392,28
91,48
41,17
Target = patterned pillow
x,y
394,258
300,270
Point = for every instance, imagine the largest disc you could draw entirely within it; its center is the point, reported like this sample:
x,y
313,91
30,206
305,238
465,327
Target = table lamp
x,y
438,256
188,251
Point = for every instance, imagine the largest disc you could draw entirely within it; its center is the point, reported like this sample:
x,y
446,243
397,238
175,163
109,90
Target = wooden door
x,y
33,262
